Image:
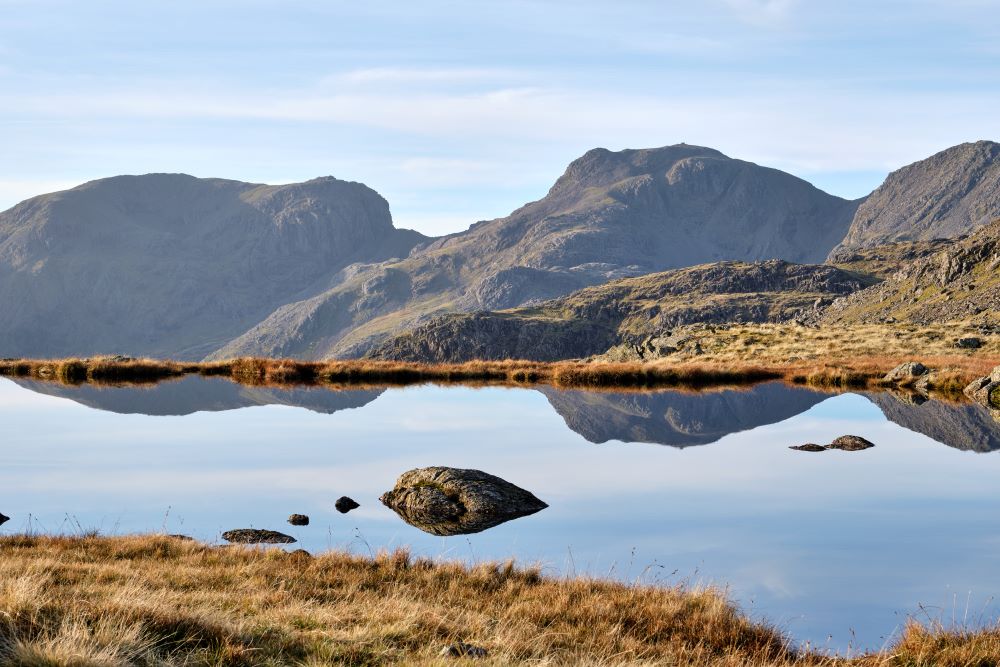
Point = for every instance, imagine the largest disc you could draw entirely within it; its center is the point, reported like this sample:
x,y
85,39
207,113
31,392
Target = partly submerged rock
x,y
907,372
345,504
809,447
298,520
463,650
453,501
257,536
850,443
4,519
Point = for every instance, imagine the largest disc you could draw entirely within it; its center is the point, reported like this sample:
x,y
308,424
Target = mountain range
x,y
173,266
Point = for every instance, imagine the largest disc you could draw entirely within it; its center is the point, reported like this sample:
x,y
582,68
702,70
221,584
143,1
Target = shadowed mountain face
x,y
609,216
173,266
966,426
947,195
194,394
676,418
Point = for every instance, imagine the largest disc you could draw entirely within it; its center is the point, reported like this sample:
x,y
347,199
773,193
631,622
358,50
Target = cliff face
x,y
949,194
171,265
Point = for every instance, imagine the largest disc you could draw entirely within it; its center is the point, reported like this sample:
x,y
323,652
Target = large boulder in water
x,y
453,501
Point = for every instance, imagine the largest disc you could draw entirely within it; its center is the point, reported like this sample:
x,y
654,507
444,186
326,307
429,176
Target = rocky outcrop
x,y
986,390
948,195
960,282
169,265
257,536
965,426
638,313
906,373
452,501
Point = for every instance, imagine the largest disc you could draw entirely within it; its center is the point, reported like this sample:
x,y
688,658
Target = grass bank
x,y
953,372
156,600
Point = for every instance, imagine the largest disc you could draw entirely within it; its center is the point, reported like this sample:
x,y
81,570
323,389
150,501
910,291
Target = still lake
x,y
837,548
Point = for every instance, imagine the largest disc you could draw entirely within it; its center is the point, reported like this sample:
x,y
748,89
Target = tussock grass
x,y
155,600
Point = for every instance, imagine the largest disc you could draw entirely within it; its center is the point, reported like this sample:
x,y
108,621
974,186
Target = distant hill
x,y
610,215
958,281
629,310
949,194
174,266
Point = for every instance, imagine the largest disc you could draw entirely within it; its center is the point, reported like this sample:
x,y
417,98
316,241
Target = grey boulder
x,y
453,501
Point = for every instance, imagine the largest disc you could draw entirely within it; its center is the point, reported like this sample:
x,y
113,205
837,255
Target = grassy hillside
x,y
157,600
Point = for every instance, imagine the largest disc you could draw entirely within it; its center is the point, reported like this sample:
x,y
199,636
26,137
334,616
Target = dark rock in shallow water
x,y
850,443
298,520
463,650
345,505
4,519
809,447
257,536
452,501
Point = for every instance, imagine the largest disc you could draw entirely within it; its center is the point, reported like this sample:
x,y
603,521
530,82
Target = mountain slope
x,y
171,265
611,215
629,311
947,195
958,282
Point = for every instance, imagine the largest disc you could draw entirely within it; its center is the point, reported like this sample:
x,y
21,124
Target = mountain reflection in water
x,y
668,417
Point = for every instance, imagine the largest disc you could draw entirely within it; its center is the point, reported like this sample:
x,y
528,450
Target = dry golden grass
x,y
833,357
156,600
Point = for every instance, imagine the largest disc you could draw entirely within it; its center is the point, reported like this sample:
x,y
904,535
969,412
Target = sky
x,y
462,111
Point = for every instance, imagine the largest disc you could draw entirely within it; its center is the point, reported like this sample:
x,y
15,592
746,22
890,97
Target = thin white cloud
x,y
405,75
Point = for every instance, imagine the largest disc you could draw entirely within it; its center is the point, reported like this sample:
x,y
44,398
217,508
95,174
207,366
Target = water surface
x,y
835,547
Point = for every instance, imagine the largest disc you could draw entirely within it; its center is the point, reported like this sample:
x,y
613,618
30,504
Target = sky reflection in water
x,y
821,544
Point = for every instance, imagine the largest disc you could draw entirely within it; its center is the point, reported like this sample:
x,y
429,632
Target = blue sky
x,y
460,111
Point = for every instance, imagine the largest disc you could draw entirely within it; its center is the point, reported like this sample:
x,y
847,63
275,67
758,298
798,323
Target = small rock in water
x,y
809,447
463,650
345,504
298,520
4,519
850,443
969,343
257,536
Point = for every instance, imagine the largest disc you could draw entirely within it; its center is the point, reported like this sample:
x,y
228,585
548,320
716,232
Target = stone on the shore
x,y
257,536
911,370
345,504
463,650
850,443
298,520
453,501
809,447
986,390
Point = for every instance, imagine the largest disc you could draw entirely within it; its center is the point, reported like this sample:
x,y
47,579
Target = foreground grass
x,y
157,600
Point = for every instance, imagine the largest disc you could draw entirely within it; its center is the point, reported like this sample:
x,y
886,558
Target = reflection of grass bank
x,y
952,372
153,600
